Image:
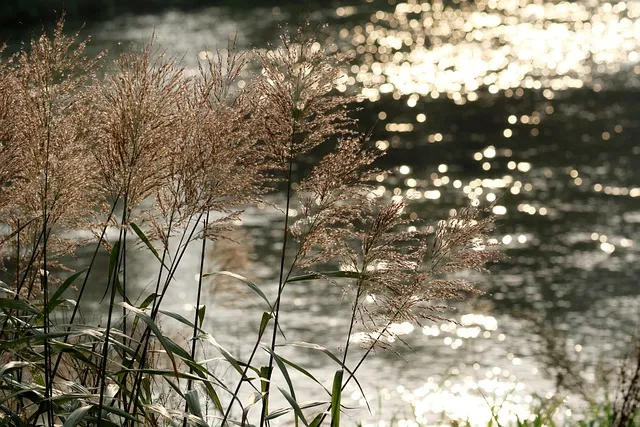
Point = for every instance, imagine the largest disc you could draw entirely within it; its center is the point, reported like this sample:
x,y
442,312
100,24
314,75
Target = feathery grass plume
x,y
460,243
218,165
137,121
295,108
45,135
55,187
336,194
404,274
294,113
9,153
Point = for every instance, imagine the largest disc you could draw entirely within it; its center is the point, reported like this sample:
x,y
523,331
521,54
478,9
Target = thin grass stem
x,y
281,284
196,316
113,278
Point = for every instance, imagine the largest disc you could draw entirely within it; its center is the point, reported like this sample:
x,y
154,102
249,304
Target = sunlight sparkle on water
x,y
468,392
501,45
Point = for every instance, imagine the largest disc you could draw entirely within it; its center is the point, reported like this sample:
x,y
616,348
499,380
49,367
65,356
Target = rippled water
x,y
532,105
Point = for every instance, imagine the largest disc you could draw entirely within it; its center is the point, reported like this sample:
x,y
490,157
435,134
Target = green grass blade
x,y
164,341
283,411
201,313
305,373
193,403
296,408
333,357
178,317
174,386
318,420
336,395
232,360
285,373
266,317
265,374
145,240
54,301
77,416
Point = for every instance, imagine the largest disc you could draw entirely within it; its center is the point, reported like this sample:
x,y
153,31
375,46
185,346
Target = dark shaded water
x,y
533,105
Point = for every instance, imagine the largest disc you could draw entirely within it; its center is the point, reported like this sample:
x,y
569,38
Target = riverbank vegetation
x,y
148,156
38,12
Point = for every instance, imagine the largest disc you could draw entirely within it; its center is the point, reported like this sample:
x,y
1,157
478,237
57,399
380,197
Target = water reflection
x,y
473,390
458,50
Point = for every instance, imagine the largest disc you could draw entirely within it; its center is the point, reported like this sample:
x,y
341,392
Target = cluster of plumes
x,y
46,180
403,272
72,143
186,141
73,146
409,274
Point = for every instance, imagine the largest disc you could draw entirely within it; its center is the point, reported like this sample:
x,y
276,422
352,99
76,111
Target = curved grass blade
x,y
7,367
179,318
338,274
169,373
333,357
54,301
244,280
296,408
174,386
283,411
144,239
305,373
147,242
77,416
237,365
164,341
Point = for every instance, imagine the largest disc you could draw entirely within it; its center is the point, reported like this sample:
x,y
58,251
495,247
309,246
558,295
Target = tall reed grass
x,y
169,159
